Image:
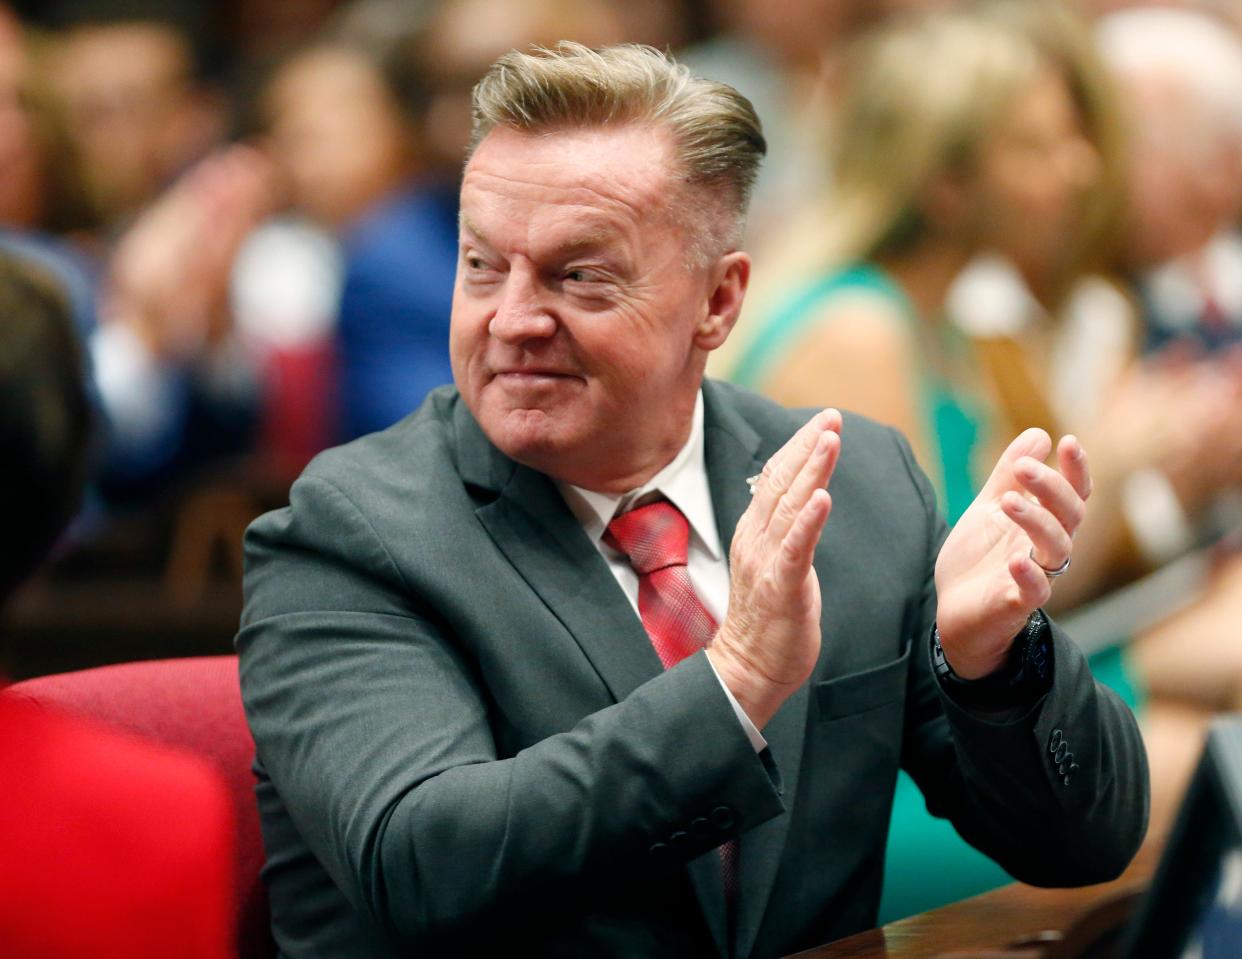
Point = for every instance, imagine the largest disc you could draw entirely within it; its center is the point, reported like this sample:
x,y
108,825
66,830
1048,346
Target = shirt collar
x,y
683,482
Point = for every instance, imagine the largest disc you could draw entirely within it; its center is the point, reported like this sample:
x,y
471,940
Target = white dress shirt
x,y
683,482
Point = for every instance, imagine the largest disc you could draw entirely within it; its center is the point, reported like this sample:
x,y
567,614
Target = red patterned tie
x,y
656,540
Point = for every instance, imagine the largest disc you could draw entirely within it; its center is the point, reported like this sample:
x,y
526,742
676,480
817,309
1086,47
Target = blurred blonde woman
x,y
956,133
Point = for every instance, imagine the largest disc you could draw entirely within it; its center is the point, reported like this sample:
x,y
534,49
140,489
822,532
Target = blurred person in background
x,y
109,846
347,135
150,311
41,202
137,107
975,144
1181,72
177,382
38,190
781,57
348,168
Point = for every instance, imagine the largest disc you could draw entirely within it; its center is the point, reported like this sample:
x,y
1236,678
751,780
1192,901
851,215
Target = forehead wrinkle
x,y
631,197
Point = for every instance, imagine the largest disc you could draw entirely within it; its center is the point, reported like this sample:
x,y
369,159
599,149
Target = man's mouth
x,y
534,375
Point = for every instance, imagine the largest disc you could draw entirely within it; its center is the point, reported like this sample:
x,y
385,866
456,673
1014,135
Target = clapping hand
x,y
770,639
992,572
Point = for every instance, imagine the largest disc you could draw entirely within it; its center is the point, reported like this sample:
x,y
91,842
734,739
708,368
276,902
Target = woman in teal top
x,y
958,133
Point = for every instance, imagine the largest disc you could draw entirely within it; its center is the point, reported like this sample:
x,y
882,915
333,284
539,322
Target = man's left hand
x,y
992,570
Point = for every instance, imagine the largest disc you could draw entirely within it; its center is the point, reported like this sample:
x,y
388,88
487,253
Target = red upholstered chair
x,y
194,705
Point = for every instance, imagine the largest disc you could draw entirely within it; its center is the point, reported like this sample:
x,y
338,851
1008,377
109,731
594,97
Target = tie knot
x,y
652,536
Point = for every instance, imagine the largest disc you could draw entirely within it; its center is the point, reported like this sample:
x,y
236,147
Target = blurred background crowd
x,y
975,217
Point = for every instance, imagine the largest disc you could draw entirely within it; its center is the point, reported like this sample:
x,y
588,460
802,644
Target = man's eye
x,y
580,276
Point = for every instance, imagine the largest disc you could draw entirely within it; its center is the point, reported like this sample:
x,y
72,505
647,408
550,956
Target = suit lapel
x,y
530,523
733,452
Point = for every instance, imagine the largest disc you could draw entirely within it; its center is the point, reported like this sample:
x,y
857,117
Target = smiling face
x,y
581,323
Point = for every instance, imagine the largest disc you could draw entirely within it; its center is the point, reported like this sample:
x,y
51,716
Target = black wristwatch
x,y
1025,676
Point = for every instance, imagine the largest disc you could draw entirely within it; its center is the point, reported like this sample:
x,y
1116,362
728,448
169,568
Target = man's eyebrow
x,y
464,225
583,242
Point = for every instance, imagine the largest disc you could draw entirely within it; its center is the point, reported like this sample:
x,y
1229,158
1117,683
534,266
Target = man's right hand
x,y
769,641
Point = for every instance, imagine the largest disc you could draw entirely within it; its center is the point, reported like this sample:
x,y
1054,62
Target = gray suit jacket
x,y
466,741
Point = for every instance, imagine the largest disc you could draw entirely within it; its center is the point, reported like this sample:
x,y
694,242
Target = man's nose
x,y
522,313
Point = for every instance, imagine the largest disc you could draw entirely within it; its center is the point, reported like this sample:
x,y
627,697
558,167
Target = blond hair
x,y
922,96
717,138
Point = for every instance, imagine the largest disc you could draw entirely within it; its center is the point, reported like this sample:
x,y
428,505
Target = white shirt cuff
x,y
752,732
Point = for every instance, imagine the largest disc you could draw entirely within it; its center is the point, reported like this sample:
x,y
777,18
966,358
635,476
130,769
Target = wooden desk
x,y
991,921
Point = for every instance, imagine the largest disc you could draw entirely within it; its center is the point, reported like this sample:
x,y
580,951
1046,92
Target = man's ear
x,y
729,277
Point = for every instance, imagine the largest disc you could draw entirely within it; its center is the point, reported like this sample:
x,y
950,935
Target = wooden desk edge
x,y
990,920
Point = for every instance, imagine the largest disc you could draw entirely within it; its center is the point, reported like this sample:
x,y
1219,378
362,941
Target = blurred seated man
x,y
109,846
1181,74
507,690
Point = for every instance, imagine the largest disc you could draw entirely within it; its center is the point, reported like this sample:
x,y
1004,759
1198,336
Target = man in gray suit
x,y
471,732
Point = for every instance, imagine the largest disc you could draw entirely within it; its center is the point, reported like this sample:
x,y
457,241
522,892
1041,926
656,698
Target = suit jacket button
x,y
1069,773
659,851
679,842
1054,742
1062,751
723,818
700,828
